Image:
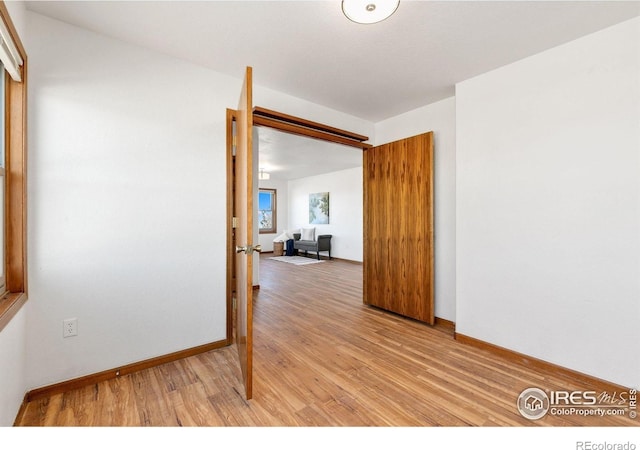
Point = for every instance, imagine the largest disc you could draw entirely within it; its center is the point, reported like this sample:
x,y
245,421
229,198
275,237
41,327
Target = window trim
x,y
15,176
274,228
3,212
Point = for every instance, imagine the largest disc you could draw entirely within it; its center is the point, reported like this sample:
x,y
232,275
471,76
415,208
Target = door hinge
x,y
233,145
233,303
234,222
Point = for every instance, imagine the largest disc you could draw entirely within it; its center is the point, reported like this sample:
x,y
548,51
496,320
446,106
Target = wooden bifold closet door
x,y
398,227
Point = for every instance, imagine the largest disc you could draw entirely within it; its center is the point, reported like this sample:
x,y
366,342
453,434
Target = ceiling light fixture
x,y
262,175
369,11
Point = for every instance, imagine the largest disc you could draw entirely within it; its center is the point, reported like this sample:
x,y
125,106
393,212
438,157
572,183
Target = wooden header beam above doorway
x,y
303,127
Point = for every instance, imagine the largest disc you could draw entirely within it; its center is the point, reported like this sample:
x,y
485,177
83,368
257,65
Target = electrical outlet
x,y
70,327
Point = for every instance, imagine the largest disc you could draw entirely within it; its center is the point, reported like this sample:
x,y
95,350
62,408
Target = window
x,y
267,211
13,171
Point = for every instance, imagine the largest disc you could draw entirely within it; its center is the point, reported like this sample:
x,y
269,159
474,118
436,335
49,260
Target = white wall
x,y
13,337
126,190
548,205
18,12
345,209
439,117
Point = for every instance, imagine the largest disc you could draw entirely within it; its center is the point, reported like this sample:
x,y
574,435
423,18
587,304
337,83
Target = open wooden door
x,y
243,206
398,227
240,209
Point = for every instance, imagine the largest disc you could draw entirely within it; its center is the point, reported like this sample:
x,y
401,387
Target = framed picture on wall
x,y
319,208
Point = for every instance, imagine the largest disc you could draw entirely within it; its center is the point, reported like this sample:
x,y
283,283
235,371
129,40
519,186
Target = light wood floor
x,y
321,358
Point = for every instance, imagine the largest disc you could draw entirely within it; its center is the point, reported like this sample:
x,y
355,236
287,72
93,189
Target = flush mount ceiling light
x,y
369,11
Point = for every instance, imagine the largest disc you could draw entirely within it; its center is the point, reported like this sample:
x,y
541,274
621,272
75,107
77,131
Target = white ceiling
x,y
287,157
308,49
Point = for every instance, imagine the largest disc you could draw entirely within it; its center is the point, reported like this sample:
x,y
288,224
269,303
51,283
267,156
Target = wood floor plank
x,y
321,358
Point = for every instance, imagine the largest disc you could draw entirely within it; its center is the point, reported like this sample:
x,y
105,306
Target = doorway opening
x,y
300,168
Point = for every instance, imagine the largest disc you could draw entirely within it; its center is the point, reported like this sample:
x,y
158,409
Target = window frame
x,y
274,211
15,236
3,216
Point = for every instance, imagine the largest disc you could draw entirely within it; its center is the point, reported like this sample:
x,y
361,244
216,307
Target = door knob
x,y
249,249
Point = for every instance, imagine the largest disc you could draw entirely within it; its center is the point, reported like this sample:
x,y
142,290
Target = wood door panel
x,y
398,221
244,231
